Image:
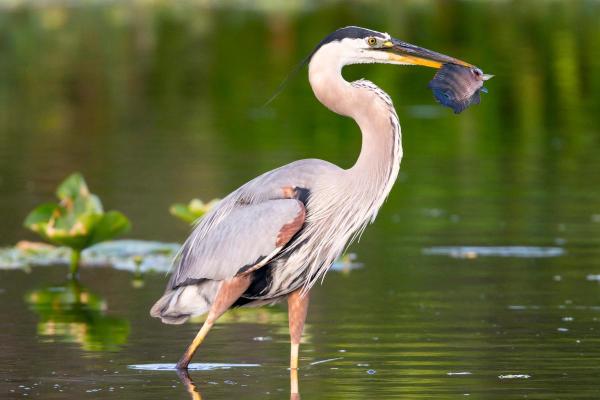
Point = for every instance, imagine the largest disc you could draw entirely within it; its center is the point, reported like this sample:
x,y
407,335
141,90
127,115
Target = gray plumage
x,y
240,233
277,235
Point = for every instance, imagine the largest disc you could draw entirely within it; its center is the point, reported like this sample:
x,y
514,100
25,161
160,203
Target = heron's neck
x,y
379,161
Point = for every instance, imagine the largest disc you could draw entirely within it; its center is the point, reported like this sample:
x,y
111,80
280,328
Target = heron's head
x,y
355,45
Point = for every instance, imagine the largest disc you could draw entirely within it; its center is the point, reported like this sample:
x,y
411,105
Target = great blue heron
x,y
278,234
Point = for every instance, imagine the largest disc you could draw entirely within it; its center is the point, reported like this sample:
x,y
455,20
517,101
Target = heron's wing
x,y
246,239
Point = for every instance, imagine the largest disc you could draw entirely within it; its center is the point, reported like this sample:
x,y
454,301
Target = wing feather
x,y
244,240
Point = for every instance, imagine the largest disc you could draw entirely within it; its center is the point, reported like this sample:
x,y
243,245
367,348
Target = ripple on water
x,y
494,251
514,376
191,367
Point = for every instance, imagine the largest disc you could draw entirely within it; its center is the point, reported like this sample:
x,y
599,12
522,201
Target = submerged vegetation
x,y
77,221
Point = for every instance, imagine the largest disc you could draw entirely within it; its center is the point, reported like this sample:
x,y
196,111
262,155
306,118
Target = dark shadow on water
x,y
71,313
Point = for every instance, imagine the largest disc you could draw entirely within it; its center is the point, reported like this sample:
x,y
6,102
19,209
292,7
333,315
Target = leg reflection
x,y
191,388
294,392
184,376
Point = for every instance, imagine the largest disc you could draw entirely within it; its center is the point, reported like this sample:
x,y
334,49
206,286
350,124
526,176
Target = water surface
x,y
156,103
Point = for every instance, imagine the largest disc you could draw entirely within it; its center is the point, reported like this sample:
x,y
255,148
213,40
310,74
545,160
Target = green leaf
x,y
182,212
61,237
39,217
86,204
112,224
196,206
72,230
94,204
195,209
63,218
72,187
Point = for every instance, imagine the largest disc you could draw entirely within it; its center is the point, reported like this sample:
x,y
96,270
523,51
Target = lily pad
x,y
130,255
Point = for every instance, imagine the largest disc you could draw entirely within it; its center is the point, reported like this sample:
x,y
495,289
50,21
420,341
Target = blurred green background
x,y
157,102
162,101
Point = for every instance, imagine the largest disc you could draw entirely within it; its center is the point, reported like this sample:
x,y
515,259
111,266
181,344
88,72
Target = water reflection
x,y
195,394
294,385
190,386
71,313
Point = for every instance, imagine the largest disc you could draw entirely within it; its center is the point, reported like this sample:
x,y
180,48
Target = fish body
x,y
458,87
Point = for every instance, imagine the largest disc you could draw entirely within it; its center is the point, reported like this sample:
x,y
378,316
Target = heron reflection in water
x,y
194,392
277,235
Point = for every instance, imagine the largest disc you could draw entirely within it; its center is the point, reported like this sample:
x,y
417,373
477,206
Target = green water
x,y
156,103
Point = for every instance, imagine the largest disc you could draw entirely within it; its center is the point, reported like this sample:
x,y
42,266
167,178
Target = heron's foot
x,y
184,361
181,366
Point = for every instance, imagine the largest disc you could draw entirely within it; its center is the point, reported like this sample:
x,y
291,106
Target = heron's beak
x,y
406,53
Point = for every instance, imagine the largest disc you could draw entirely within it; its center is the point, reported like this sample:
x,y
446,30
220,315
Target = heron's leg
x,y
297,309
229,291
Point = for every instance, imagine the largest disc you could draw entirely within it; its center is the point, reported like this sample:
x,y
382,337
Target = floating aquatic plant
x,y
78,220
193,210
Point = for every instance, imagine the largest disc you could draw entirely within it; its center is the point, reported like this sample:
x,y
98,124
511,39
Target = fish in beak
x,y
457,84
458,87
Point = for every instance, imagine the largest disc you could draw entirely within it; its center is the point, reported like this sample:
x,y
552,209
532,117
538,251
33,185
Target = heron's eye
x,y
372,41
